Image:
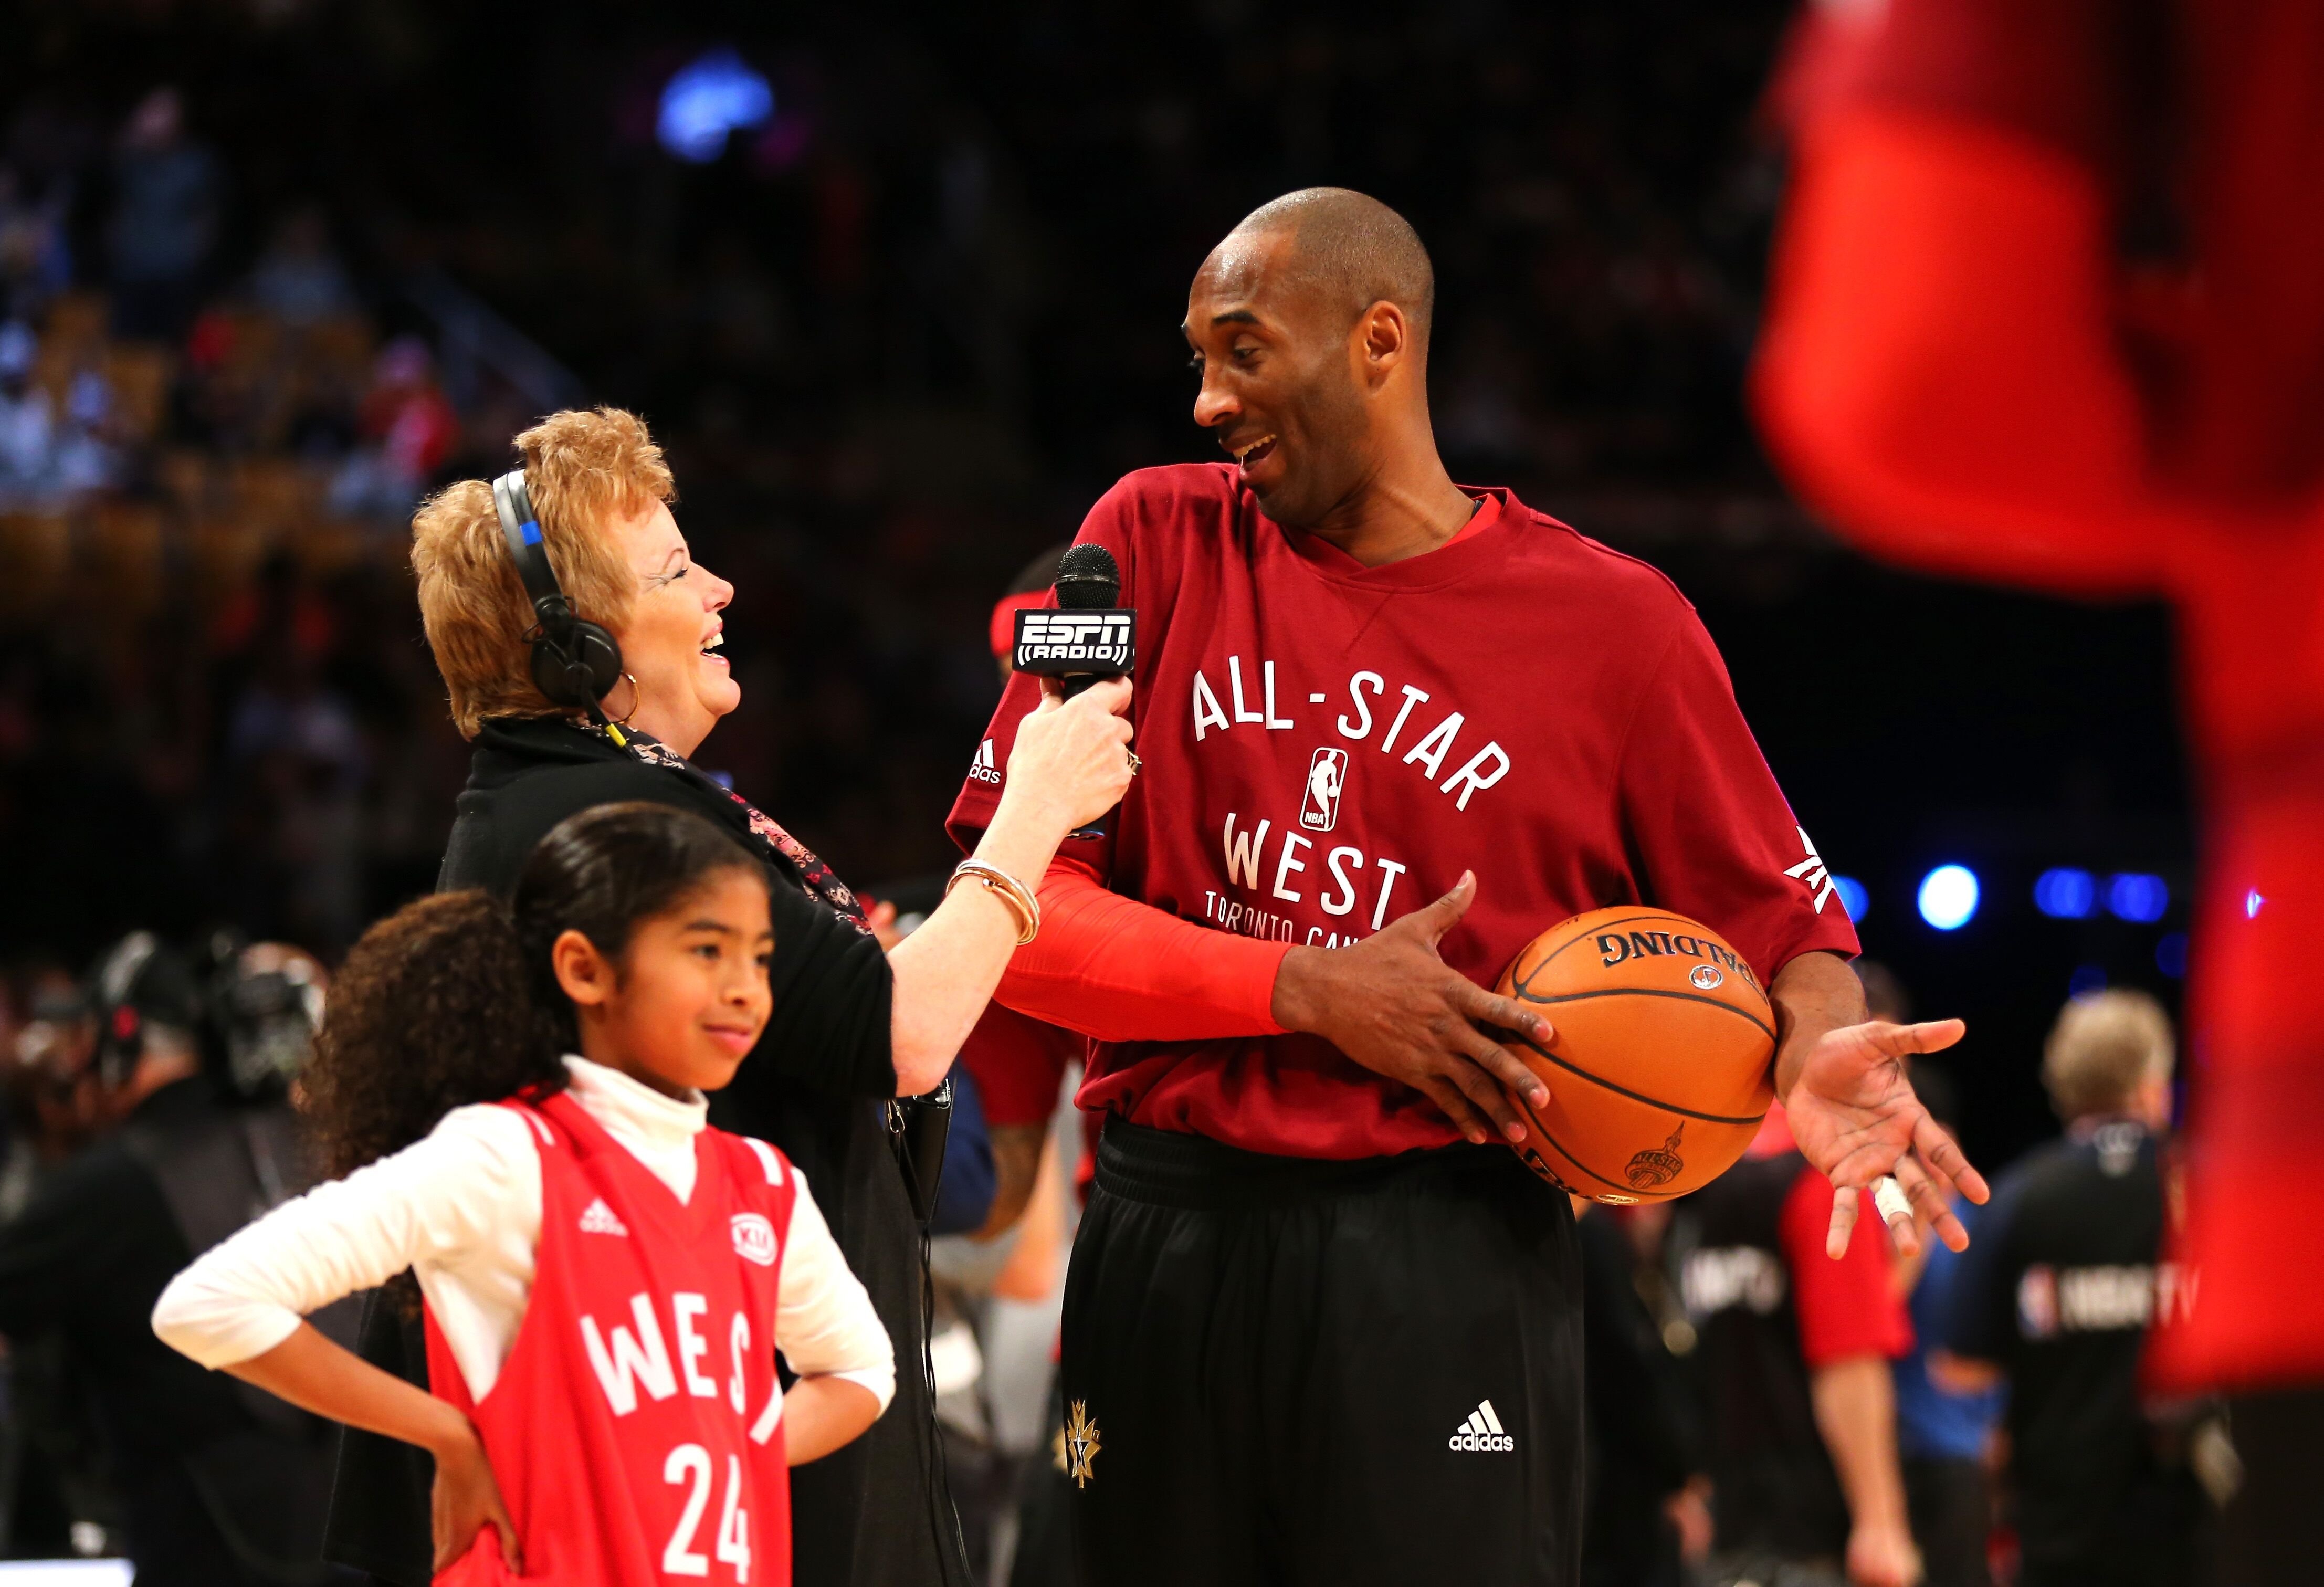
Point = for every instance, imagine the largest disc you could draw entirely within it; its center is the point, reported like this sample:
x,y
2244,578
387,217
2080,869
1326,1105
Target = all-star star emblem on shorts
x,y
1081,1443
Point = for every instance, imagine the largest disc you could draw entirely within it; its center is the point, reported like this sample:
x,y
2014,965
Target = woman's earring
x,y
624,719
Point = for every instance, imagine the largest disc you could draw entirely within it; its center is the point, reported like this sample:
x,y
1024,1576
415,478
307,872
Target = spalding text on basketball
x,y
1614,946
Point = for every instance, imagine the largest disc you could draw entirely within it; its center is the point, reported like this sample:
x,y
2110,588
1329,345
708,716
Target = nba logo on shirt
x,y
1326,775
2037,1301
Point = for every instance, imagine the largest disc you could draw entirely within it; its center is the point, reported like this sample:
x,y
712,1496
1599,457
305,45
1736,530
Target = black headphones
x,y
575,662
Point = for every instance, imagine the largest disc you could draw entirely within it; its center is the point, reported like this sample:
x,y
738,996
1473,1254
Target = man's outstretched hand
x,y
1852,1110
1394,1006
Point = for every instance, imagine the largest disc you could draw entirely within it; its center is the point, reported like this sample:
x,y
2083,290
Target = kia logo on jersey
x,y
754,1238
1326,777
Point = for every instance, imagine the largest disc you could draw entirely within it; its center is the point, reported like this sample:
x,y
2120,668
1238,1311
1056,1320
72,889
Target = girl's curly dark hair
x,y
433,1010
452,1000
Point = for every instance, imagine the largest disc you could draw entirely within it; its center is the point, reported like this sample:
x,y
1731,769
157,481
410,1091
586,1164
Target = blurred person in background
x,y
2056,1298
28,426
168,205
299,279
218,1483
50,1098
289,794
1645,1519
46,455
35,260
2048,309
1795,1354
408,430
1944,1433
855,1028
88,457
59,1497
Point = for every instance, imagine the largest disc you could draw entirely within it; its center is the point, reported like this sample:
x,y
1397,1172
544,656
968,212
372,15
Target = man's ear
x,y
1383,341
586,974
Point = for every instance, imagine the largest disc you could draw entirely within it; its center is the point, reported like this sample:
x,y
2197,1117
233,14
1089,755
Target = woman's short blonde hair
x,y
2105,1046
585,470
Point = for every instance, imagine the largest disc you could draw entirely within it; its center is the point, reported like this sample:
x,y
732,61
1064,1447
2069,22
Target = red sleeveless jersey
x,y
635,1428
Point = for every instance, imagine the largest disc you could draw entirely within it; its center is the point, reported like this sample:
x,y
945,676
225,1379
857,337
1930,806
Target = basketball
x,y
1659,1070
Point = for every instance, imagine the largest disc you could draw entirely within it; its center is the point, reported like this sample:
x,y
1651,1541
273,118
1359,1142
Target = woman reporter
x,y
851,1026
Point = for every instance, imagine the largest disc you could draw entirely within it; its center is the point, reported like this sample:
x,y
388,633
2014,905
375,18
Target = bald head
x,y
1309,323
1353,250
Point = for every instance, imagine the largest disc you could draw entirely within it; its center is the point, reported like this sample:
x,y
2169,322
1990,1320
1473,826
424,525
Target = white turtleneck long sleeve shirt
x,y
462,1209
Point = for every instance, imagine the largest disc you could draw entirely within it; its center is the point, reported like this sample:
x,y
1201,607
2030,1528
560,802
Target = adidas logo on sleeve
x,y
598,1218
1483,1431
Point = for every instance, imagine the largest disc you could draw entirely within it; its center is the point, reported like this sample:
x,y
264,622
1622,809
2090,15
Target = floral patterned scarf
x,y
815,876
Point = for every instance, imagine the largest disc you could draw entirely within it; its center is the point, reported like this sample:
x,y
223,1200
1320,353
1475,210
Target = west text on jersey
x,y
628,1357
1344,880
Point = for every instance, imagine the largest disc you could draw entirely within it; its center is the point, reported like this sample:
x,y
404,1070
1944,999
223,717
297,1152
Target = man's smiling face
x,y
1279,388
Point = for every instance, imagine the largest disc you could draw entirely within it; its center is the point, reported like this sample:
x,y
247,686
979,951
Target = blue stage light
x,y
1852,896
2066,894
2086,979
2134,896
1949,897
713,96
2171,955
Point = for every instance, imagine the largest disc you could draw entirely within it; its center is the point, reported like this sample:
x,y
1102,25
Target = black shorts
x,y
1283,1370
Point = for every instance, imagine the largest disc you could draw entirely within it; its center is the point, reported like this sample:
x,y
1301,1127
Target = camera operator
x,y
219,1483
56,1494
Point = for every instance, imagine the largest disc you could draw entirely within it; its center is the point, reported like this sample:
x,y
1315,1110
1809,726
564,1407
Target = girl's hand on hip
x,y
466,1500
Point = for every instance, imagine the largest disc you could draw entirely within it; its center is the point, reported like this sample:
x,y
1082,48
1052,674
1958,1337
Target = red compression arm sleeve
x,y
1119,970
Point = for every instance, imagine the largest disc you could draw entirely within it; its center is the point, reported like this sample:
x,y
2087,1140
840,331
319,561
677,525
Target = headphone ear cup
x,y
550,674
584,654
594,648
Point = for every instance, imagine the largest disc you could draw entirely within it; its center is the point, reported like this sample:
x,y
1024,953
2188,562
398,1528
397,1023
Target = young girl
x,y
606,1280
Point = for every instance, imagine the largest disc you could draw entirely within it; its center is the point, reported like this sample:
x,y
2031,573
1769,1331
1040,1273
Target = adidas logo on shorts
x,y
1483,1431
598,1219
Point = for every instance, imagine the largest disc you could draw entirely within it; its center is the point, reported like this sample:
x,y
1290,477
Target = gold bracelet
x,y
1012,892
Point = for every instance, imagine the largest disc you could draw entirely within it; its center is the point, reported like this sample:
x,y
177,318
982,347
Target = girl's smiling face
x,y
686,999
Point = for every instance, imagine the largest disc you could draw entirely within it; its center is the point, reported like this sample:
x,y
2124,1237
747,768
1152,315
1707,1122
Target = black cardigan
x,y
874,1513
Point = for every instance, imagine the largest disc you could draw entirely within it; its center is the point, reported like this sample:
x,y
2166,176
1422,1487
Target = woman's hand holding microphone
x,y
1072,762
1071,765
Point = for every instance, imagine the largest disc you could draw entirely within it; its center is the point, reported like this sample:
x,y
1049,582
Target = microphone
x,y
1086,637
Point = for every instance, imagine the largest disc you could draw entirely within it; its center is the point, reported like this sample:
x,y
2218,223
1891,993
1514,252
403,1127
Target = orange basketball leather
x,y
1658,1075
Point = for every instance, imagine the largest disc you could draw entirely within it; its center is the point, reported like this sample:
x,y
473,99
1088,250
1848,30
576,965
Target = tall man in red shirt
x,y
1309,1332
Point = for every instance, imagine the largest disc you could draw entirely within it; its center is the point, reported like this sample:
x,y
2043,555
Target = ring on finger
x,y
1134,762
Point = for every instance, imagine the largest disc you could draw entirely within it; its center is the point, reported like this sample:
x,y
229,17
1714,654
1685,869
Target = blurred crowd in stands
x,y
899,337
